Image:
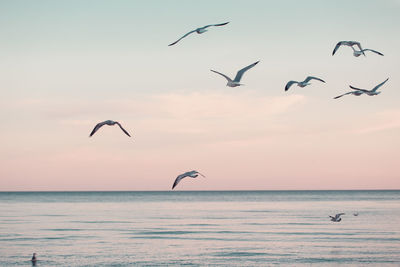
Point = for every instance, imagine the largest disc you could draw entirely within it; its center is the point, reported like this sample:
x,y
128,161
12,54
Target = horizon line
x,y
232,190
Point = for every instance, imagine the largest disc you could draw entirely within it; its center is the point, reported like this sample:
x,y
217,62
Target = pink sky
x,y
60,76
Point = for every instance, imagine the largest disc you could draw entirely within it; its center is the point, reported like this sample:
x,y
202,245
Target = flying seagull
x,y
348,43
108,122
358,53
303,83
371,92
336,218
191,174
199,31
358,91
236,82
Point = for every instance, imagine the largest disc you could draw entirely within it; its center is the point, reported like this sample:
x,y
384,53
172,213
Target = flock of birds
x,y
236,82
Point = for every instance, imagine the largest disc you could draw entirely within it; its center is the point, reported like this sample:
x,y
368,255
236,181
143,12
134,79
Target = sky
x,y
67,65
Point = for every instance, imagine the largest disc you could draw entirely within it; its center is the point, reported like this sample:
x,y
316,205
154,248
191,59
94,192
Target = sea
x,y
200,228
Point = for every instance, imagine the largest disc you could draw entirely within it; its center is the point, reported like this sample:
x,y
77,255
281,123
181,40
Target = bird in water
x,y
303,83
199,31
347,43
191,174
337,217
34,259
358,53
236,82
355,213
358,91
110,123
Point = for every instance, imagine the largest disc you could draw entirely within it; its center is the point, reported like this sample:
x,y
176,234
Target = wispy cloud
x,y
382,121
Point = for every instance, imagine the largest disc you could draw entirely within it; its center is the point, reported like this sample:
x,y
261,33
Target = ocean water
x,y
228,228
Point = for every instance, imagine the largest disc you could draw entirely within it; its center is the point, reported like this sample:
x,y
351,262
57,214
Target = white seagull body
x,y
191,174
199,31
358,91
336,218
358,53
347,43
303,83
236,82
108,122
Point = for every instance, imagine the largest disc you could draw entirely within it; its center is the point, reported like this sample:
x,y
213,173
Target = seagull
x,y
33,260
108,122
337,217
236,82
371,92
199,31
303,83
355,214
358,91
348,43
191,174
357,53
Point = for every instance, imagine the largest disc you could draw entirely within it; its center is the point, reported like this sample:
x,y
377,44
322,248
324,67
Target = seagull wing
x,y
182,37
97,127
336,47
220,24
376,52
309,78
289,84
201,174
226,77
336,97
178,179
379,85
240,73
120,126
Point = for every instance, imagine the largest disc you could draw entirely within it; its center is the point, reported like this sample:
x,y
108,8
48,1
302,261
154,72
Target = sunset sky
x,y
66,65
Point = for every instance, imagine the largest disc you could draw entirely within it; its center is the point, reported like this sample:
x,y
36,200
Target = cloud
x,y
382,121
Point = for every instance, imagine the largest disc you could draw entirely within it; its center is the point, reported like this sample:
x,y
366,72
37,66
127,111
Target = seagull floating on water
x,y
108,122
358,91
191,174
348,43
236,82
199,31
33,260
337,217
358,53
355,213
303,83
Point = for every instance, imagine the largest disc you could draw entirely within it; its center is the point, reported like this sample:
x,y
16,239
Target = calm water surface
x,y
229,228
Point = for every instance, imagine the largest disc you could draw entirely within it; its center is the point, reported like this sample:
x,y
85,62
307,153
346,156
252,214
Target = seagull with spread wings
x,y
347,43
191,174
110,123
199,31
373,91
303,83
236,82
358,91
